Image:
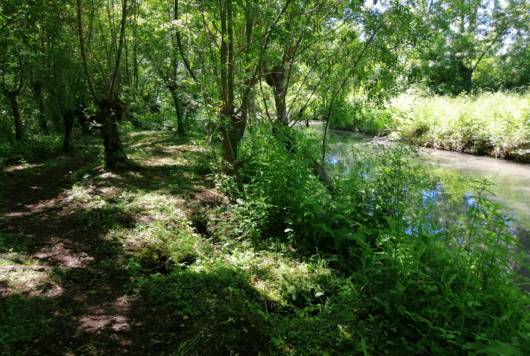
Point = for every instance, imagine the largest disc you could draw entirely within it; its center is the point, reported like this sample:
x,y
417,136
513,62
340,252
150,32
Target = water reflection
x,y
511,181
511,186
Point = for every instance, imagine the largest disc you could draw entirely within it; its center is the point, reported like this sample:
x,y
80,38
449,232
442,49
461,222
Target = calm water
x,y
511,181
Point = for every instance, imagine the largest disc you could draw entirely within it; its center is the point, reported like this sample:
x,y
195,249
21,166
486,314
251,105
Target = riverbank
x,y
492,124
173,258
510,181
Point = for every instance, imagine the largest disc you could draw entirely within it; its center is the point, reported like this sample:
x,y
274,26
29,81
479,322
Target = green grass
x,y
494,124
280,265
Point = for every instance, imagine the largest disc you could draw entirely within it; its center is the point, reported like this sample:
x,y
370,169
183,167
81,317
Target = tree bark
x,y
68,123
275,78
232,125
17,120
181,130
248,106
110,110
39,100
108,115
174,84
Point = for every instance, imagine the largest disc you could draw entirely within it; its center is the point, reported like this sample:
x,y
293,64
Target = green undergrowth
x,y
401,275
495,124
356,114
275,262
30,149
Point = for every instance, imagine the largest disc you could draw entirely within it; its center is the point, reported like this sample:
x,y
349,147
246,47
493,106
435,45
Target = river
x,y
511,181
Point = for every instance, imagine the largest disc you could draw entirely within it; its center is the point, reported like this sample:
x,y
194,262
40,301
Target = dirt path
x,y
62,278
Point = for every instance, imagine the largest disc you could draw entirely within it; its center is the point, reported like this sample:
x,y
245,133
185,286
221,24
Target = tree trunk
x,y
68,122
19,130
39,100
108,115
466,74
232,125
181,130
275,78
232,131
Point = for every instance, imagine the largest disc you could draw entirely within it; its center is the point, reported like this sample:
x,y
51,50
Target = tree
x,y
463,34
160,43
110,109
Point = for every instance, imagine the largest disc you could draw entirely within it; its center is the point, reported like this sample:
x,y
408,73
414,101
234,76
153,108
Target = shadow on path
x,y
65,287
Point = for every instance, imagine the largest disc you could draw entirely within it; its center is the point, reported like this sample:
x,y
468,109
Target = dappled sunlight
x,y
163,162
160,219
276,275
86,196
166,204
112,315
36,208
28,280
243,177
63,252
22,166
166,255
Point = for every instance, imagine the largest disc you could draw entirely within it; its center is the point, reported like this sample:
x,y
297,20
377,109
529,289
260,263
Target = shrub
x,y
358,114
494,124
32,149
406,278
282,196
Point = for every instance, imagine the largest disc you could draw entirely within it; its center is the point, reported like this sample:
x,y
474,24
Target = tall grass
x,y
404,278
496,124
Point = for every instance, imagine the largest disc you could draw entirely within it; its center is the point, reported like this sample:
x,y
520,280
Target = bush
x,y
494,124
406,278
282,196
360,115
29,150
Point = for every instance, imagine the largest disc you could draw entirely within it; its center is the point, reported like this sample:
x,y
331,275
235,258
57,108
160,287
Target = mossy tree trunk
x,y
108,116
37,88
181,129
68,123
17,120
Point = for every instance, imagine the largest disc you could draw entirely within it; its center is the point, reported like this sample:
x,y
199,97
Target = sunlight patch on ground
x,y
32,282
174,149
164,161
159,219
89,197
277,276
21,167
160,202
108,175
111,316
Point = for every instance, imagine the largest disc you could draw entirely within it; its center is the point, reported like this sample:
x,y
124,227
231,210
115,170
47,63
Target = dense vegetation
x,y
160,195
495,124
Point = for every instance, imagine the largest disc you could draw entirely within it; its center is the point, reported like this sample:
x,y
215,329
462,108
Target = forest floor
x,y
155,260
74,238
